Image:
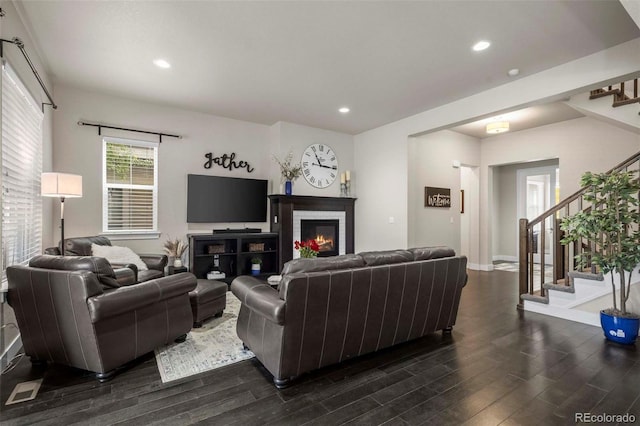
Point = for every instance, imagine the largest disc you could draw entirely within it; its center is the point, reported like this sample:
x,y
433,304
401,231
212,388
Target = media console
x,y
233,252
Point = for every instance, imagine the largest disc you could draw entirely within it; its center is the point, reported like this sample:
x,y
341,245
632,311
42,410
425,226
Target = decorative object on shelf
x,y
307,249
345,184
175,248
256,263
61,185
319,165
289,171
611,223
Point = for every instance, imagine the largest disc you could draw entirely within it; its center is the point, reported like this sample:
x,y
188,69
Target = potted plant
x,y
175,248
255,265
289,172
612,223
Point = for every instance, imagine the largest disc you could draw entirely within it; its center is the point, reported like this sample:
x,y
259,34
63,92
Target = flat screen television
x,y
225,199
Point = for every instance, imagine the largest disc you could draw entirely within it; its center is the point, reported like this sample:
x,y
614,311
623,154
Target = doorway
x,y
537,190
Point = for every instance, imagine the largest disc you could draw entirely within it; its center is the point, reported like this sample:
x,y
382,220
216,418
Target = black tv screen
x,y
225,199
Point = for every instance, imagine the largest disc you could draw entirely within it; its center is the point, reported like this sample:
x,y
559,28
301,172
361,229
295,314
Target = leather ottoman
x,y
208,299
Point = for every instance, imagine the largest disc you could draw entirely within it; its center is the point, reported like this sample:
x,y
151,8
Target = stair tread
x,y
586,275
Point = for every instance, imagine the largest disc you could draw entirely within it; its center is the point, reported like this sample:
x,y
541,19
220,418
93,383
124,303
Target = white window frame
x,y
32,245
129,233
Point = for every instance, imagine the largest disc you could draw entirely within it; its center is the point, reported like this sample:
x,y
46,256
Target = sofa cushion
x,y
98,265
118,255
437,252
81,246
387,257
345,261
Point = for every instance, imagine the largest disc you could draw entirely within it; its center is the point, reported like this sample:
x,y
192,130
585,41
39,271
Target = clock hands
x,y
325,167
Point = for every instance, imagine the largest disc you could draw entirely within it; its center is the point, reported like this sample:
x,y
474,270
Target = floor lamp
x,y
61,185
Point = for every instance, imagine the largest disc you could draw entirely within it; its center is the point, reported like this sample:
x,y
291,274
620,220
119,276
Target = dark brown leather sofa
x,y
81,246
73,311
327,310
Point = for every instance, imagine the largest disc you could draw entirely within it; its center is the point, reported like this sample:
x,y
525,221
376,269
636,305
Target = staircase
x,y
556,289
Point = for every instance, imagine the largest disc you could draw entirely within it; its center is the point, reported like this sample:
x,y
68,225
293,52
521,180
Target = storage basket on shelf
x,y
256,246
215,248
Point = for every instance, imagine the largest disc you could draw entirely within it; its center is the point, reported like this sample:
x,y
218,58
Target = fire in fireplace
x,y
325,232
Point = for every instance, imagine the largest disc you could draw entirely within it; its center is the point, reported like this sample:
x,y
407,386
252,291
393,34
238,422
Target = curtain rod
x,y
20,45
104,126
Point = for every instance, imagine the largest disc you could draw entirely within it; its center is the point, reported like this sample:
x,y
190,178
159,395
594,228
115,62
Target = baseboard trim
x,y
12,350
479,267
505,258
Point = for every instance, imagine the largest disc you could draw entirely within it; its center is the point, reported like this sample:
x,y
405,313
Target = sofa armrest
x,y
131,266
259,297
155,261
53,251
125,276
127,299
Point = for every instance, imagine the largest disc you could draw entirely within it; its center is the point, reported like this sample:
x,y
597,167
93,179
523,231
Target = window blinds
x,y
21,169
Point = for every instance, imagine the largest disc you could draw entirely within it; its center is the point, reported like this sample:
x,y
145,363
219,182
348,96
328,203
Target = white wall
x,y
381,154
77,149
295,138
431,164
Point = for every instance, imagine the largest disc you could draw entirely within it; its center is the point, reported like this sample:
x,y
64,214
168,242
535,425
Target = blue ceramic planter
x,y
619,329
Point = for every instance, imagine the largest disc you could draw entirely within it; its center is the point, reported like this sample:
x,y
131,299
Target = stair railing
x,y
532,241
623,93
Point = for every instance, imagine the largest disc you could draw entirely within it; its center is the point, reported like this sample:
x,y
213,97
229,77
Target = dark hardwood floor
x,y
499,366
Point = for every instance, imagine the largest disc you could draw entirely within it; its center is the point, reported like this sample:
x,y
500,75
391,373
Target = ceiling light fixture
x,y
481,45
496,127
513,72
161,63
344,110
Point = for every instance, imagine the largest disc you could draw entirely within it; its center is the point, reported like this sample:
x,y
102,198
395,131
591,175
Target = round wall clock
x,y
319,165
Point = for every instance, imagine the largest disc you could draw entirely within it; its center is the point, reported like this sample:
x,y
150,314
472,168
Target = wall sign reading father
x,y
227,161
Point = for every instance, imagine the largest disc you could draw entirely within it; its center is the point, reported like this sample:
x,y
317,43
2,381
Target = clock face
x,y
319,165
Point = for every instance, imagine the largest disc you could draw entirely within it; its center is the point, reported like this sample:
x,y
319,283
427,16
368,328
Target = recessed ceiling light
x,y
513,72
344,110
481,45
161,63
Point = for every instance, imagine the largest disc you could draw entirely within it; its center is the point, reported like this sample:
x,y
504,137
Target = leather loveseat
x,y
74,311
327,310
81,246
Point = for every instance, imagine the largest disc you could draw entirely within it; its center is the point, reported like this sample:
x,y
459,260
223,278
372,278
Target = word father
x,y
226,161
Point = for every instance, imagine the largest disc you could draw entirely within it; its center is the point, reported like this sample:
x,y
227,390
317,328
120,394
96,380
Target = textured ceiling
x,y
269,61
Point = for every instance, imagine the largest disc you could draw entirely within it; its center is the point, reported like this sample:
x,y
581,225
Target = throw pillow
x,y
118,255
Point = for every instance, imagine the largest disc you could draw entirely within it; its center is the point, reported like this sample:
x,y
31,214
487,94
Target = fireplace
x,y
288,211
325,232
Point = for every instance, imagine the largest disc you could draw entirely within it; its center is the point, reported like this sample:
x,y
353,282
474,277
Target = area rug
x,y
214,345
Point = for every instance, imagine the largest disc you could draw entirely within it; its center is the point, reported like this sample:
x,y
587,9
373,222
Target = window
x,y
21,169
130,186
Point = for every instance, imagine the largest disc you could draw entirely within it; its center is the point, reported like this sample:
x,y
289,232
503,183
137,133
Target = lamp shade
x,y
61,185
498,127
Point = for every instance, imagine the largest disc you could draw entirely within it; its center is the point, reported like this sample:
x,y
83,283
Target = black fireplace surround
x,y
281,219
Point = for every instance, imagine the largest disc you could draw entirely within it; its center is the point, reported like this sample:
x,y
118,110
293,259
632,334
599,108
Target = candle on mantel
x,y
348,175
342,177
